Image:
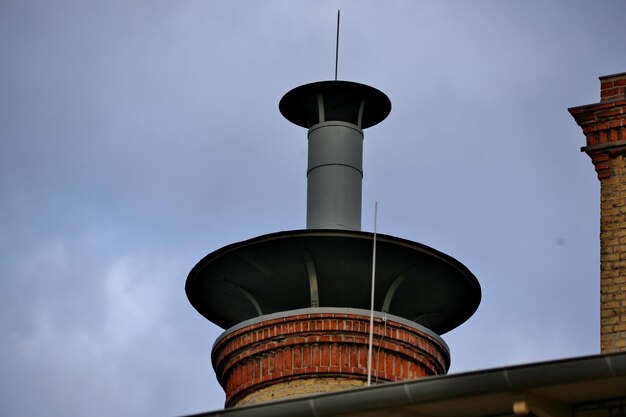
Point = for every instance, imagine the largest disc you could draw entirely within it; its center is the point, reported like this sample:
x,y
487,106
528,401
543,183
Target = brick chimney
x,y
604,126
297,306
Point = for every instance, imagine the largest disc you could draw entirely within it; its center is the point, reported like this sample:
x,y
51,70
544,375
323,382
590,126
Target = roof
x,y
556,388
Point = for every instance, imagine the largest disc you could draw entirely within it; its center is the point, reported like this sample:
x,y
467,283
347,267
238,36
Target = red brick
x,y
335,355
397,366
389,363
287,359
380,360
601,127
330,348
609,92
599,157
609,113
307,356
297,357
354,356
588,129
363,357
603,137
325,355
279,361
315,355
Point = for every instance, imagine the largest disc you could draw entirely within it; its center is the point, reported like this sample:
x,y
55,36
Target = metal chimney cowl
x,y
295,304
334,176
335,112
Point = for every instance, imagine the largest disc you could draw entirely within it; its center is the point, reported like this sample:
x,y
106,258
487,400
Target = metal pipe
x,y
334,176
335,112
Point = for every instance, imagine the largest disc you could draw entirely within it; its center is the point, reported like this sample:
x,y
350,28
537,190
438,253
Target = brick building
x,y
604,127
311,350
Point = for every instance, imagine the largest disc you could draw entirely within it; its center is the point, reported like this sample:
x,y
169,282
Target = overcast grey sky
x,y
136,136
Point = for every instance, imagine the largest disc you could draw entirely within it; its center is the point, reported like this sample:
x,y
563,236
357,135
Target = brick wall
x,y
299,388
311,353
604,126
613,258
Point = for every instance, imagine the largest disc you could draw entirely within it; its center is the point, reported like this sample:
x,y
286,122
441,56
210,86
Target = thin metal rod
x,y
337,45
369,351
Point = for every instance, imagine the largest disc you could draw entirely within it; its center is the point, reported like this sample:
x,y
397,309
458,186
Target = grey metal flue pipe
x,y
335,113
334,176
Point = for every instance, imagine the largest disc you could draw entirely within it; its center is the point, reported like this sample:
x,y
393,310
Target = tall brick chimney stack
x,y
296,304
604,126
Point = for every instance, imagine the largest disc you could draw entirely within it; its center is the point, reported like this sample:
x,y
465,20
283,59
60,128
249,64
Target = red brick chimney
x,y
604,126
322,350
300,307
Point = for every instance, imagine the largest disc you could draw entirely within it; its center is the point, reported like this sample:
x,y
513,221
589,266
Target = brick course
x,y
604,126
310,353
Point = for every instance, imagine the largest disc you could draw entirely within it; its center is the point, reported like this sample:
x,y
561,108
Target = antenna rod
x,y
369,350
337,45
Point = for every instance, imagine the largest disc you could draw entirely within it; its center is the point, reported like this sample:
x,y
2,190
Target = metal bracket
x,y
251,298
312,273
254,263
391,291
360,116
320,109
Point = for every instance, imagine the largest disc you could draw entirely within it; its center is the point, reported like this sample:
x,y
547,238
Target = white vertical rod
x,y
371,341
337,45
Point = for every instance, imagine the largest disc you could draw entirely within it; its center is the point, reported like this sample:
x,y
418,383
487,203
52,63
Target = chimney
x,y
335,112
296,304
604,126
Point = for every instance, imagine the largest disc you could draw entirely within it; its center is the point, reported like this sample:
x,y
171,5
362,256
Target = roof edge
x,y
438,388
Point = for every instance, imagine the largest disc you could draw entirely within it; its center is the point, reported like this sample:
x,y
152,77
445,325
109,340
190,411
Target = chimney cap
x,y
341,101
274,273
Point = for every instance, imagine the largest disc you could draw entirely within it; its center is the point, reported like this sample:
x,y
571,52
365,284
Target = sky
x,y
137,136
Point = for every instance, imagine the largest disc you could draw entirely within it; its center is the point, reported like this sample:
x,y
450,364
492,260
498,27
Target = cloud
x,y
137,136
103,339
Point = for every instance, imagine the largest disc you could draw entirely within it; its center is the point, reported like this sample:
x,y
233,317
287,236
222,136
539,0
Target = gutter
x,y
515,381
